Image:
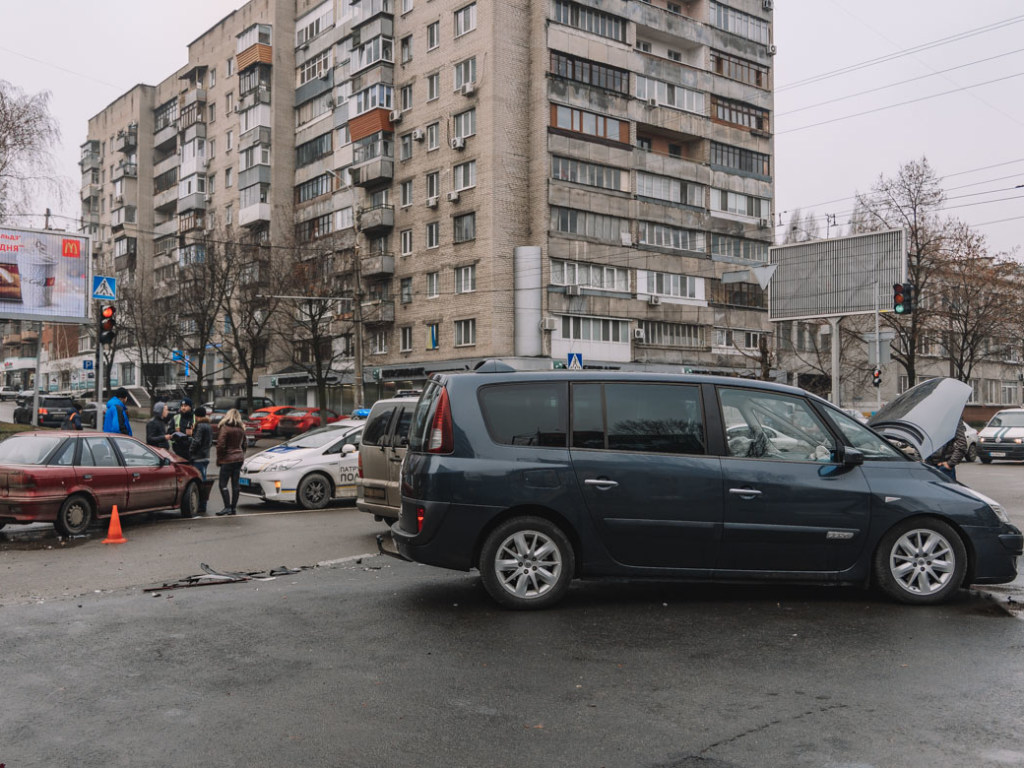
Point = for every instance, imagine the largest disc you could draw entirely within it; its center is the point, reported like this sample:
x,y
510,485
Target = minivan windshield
x,y
1008,419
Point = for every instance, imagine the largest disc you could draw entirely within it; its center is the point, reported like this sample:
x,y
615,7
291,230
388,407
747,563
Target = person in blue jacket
x,y
115,419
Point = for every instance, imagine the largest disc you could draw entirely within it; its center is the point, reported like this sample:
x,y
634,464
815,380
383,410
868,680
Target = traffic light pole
x,y
99,365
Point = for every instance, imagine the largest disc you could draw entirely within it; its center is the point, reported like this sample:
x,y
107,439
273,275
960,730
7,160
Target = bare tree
x,y
150,326
29,135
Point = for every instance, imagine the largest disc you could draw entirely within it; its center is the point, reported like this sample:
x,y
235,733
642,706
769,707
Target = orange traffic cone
x,y
114,535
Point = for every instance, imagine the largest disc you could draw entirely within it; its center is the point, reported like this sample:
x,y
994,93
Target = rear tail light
x,y
359,466
21,480
441,438
43,411
420,511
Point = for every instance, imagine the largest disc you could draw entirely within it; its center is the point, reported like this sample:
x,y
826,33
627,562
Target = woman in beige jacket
x,y
230,454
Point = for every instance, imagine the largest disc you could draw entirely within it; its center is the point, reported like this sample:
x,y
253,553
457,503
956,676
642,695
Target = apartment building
x,y
520,180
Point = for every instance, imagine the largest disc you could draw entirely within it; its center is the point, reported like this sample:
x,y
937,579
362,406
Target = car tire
x,y
314,491
527,563
920,561
972,453
985,459
190,499
75,515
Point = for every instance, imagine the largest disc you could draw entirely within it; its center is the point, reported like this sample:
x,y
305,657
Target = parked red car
x,y
304,420
72,478
263,422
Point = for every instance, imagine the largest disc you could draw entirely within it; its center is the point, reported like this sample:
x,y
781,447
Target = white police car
x,y
1003,436
310,469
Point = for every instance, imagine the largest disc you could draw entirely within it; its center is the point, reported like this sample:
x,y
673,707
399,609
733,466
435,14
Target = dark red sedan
x,y
72,478
304,420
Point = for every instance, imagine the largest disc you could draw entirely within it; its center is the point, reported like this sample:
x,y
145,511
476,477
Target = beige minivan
x,y
384,443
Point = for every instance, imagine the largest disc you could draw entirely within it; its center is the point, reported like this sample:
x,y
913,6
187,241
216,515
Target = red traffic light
x,y
108,324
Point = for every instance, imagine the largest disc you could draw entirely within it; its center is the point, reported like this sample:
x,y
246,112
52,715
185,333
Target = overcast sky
x,y
88,53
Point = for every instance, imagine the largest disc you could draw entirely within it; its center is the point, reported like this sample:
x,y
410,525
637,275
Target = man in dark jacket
x,y
156,428
952,453
73,420
181,429
199,450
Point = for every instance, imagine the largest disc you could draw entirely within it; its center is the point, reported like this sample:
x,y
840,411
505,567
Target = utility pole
x,y
357,319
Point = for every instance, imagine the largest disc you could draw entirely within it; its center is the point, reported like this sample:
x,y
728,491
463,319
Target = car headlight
x,y
997,508
283,464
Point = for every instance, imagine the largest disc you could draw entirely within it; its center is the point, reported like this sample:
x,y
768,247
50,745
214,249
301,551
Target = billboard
x,y
832,278
44,275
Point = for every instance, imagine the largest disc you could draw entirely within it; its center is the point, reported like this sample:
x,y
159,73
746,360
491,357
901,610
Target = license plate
x,y
243,481
997,454
373,493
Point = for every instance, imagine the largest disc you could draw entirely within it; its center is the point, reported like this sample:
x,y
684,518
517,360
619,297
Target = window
x,y
406,193
465,19
405,97
589,72
737,339
433,234
735,68
213,77
737,159
308,111
378,95
433,132
464,228
465,333
405,147
135,454
675,55
465,124
433,35
526,414
228,177
314,188
313,150
669,95
591,174
669,284
465,279
231,66
595,329
587,275
211,112
465,72
598,226
406,343
230,140
769,425
318,65
672,334
740,204
406,6
464,175
345,218
432,336
434,184
738,248
405,48
374,50
590,20
405,290
589,123
433,285
737,22
644,46
433,86
379,343
314,229
406,239
737,113
670,189
646,418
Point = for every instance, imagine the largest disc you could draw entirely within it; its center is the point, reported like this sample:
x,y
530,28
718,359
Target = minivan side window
x,y
421,416
532,414
647,418
770,425
377,425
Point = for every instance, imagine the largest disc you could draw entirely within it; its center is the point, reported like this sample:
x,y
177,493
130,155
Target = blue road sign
x,y
104,288
87,365
575,362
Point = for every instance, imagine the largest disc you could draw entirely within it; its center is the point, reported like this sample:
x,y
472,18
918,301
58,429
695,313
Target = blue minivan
x,y
536,478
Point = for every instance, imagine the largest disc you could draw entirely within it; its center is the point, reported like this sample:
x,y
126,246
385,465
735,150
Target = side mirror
x,y
348,448
164,461
851,457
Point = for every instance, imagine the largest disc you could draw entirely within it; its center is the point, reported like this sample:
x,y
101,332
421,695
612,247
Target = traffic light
x,y
876,377
903,298
108,324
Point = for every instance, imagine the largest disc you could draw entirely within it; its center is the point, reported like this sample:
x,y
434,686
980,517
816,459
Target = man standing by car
x,y
181,429
115,419
156,428
952,453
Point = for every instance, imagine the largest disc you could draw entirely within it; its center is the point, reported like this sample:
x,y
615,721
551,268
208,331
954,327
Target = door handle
x,y
87,477
602,484
136,475
750,492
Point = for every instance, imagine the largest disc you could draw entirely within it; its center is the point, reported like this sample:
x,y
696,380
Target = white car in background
x,y
972,442
310,470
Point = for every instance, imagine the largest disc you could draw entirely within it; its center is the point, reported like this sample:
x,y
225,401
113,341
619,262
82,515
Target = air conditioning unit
x,y
431,202
418,135
326,75
573,290
652,102
764,223
654,300
549,324
768,5
639,334
453,197
458,143
468,89
626,238
771,50
395,116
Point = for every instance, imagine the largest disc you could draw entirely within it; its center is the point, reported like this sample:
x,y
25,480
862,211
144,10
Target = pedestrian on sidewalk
x,y
74,419
115,418
230,454
156,428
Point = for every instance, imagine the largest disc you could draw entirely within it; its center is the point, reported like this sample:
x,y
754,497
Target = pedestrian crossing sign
x,y
575,361
104,288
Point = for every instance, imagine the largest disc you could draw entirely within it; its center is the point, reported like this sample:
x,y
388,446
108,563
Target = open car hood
x,y
926,416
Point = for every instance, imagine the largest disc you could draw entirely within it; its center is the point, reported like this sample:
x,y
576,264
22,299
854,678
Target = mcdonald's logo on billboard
x,y
72,249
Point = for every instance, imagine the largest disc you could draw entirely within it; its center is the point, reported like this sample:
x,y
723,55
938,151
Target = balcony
x,y
121,216
165,134
258,136
378,171
123,170
378,265
11,338
127,141
195,96
255,214
89,161
165,228
29,334
90,191
166,200
378,312
191,221
194,202
374,221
